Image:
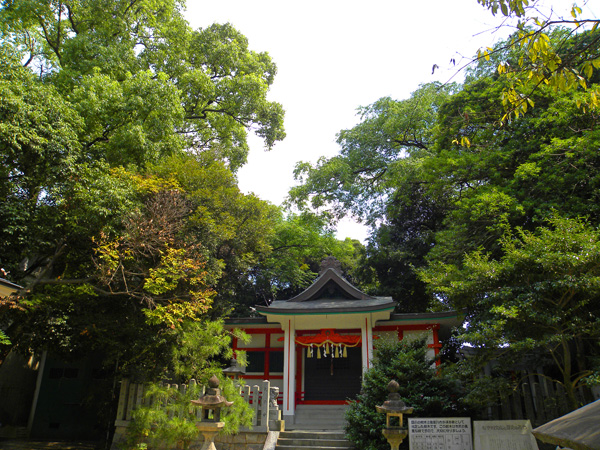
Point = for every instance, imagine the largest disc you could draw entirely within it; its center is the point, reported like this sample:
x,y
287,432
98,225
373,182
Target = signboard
x,y
504,435
453,433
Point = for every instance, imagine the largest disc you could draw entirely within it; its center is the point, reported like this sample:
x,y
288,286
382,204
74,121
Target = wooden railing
x,y
131,396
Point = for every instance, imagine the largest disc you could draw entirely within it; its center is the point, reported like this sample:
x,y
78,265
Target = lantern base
x,y
395,436
209,430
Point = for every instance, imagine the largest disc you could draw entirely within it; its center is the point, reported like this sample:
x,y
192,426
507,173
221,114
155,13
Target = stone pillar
x,y
275,423
289,370
394,437
265,405
209,430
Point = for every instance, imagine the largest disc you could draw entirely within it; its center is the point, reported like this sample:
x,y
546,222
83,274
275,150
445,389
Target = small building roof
x,y
334,305
331,301
578,429
7,287
330,283
330,293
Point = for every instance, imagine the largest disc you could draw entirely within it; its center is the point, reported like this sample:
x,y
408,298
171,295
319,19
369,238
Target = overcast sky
x,y
336,55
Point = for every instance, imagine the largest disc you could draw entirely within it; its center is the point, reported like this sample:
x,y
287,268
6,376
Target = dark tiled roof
x,y
329,305
330,293
330,278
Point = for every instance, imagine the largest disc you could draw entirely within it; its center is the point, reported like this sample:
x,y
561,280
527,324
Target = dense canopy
x,y
121,131
467,209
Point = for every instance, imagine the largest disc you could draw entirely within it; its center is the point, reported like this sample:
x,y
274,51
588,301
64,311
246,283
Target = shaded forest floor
x,y
24,444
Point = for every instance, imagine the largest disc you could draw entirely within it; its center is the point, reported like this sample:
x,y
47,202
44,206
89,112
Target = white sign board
x,y
453,433
504,435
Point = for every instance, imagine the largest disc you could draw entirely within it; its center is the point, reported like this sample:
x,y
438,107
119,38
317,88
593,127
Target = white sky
x,y
336,55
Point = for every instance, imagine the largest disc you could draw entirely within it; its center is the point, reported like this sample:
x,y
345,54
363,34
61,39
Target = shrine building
x,y
316,346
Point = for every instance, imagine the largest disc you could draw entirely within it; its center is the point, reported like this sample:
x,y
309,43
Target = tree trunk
x,y
567,375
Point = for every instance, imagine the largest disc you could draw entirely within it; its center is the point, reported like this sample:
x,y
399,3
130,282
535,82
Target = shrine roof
x,y
330,293
332,284
329,305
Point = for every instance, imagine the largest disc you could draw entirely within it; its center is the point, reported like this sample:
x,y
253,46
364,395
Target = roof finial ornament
x,y
331,262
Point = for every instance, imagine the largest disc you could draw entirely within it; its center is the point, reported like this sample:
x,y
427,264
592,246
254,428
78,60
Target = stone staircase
x,y
319,417
313,440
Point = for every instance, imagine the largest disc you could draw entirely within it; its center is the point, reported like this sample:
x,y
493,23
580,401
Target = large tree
x,y
145,83
121,131
377,177
299,244
122,273
514,174
543,60
401,243
372,156
118,83
437,175
114,258
541,297
500,193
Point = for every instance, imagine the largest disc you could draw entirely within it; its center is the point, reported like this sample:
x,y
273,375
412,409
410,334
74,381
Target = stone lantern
x,y
394,407
234,371
211,403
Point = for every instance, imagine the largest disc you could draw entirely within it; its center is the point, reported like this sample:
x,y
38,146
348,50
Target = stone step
x,y
328,408
320,420
312,426
296,442
313,440
322,416
300,408
315,425
319,417
311,434
319,447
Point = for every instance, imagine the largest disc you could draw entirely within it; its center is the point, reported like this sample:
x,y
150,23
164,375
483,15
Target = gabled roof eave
x,y
328,275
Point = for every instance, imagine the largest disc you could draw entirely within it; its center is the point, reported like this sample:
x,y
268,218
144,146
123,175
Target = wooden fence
x,y
262,399
536,398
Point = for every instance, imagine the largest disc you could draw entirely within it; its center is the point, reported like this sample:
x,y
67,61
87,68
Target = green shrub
x,y
166,419
169,420
430,394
